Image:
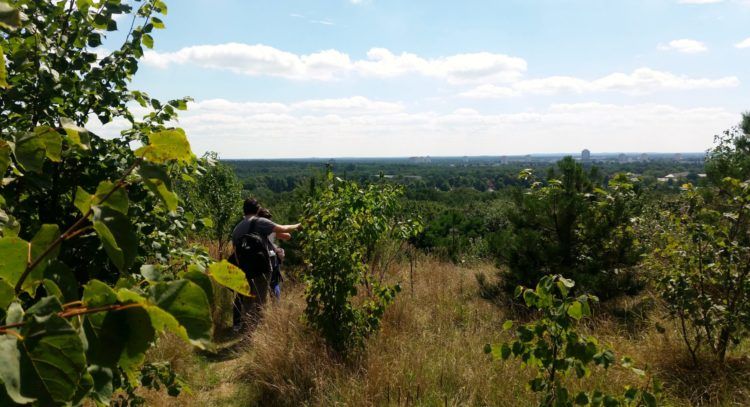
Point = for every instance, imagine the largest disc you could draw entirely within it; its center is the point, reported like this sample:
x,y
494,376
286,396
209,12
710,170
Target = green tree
x,y
731,155
702,263
216,194
90,273
343,224
570,226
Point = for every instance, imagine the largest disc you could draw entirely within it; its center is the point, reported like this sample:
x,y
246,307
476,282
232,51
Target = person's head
x,y
264,213
250,207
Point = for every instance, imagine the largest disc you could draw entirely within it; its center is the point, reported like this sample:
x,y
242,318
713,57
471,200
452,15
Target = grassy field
x,y
430,353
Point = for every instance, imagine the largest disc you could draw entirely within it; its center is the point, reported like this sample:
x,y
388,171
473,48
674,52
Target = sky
x,y
384,78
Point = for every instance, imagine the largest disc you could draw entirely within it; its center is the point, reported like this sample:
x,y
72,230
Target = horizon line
x,y
577,154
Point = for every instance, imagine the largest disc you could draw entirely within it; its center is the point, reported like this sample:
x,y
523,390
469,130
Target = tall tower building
x,y
586,156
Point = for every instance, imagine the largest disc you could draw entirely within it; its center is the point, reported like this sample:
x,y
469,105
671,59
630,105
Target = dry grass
x,y
430,352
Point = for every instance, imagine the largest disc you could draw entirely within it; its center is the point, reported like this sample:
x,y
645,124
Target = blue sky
x,y
403,78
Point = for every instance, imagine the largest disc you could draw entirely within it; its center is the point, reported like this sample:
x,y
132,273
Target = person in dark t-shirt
x,y
259,285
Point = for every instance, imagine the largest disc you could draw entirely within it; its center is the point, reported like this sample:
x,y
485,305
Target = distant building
x,y
622,158
644,158
504,160
677,175
678,157
586,156
420,160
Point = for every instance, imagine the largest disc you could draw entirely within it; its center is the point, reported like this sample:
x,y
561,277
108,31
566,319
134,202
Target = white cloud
x,y
686,46
640,81
490,91
362,127
743,44
322,22
331,64
496,75
352,104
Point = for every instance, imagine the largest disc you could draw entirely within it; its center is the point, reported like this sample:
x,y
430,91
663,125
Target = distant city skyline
x,y
390,78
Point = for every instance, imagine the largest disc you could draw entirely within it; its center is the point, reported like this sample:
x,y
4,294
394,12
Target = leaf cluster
x,y
93,263
557,351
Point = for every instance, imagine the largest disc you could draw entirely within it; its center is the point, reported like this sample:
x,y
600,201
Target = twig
x,y
70,313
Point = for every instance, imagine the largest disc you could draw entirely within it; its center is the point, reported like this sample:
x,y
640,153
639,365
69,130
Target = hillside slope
x,y
429,352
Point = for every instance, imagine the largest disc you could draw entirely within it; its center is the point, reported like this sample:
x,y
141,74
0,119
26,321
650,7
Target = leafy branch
x,y
75,229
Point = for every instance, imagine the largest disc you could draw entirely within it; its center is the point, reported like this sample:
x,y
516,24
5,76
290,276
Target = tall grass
x,y
430,352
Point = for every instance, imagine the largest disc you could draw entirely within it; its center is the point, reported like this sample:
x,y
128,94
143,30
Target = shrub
x,y
702,266
214,193
572,227
343,225
556,350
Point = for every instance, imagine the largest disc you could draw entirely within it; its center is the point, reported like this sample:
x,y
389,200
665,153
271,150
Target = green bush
x,y
570,226
702,264
343,225
553,347
215,194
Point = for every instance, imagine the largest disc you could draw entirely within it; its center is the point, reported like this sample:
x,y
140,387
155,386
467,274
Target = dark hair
x,y
251,206
265,213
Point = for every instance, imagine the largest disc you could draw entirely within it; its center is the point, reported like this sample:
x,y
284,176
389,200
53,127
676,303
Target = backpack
x,y
251,254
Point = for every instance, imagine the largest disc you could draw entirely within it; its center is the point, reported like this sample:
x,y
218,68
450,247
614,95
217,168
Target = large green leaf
x,y
14,255
77,136
122,339
3,71
575,310
4,157
115,337
51,288
7,295
140,336
117,200
158,181
116,234
9,16
187,302
43,239
97,294
30,151
83,200
204,281
230,276
161,321
52,359
165,146
45,307
52,142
